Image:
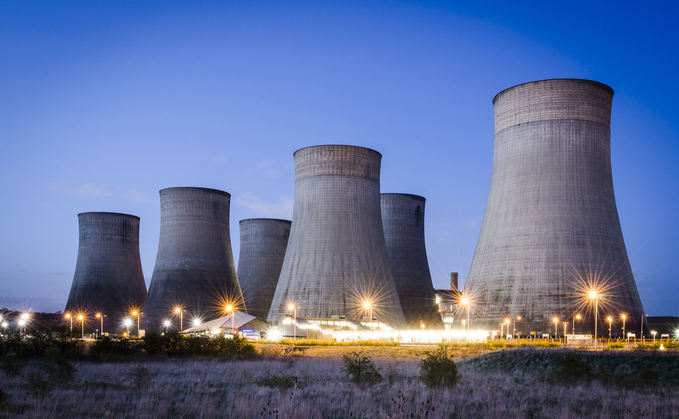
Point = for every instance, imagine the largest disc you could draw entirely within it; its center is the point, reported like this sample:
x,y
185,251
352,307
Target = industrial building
x,y
108,279
336,263
262,248
194,270
403,223
551,246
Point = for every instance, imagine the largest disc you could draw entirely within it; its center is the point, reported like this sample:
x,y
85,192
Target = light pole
x,y
294,321
465,302
610,327
230,310
167,325
180,311
127,323
68,316
507,323
136,313
642,327
653,332
592,295
564,330
369,307
82,326
502,326
577,316
623,325
556,330
101,316
514,326
4,327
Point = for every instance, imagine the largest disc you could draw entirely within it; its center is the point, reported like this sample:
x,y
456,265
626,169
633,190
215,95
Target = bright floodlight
x,y
98,315
5,324
291,307
464,301
366,304
166,323
507,321
556,319
592,294
577,317
229,308
68,316
22,322
177,310
127,322
196,322
134,313
24,316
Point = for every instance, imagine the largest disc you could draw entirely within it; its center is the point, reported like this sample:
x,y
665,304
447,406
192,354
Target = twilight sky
x,y
102,104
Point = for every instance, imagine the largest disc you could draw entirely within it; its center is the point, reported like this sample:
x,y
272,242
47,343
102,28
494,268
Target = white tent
x,y
235,321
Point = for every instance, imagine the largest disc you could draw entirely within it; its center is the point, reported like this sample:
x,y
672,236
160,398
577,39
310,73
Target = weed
x,y
38,383
438,369
60,370
361,369
141,377
280,381
11,366
573,368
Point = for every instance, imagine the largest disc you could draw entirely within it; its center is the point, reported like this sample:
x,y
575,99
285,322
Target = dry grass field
x,y
310,383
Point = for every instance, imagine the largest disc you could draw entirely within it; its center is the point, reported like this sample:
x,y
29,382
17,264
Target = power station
x,y
551,244
262,248
403,223
336,263
108,277
194,269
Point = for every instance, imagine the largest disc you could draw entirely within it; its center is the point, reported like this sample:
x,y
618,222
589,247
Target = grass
x,y
514,383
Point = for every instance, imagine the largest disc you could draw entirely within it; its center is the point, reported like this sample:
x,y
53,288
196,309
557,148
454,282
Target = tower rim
x,y
194,188
603,86
107,213
337,145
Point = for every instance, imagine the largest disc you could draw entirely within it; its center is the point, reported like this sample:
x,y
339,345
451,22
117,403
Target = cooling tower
x,y
336,259
403,222
262,248
108,278
551,231
194,267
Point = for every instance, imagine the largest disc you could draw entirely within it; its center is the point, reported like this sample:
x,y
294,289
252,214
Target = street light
x,y
82,326
4,326
21,324
167,325
136,313
564,331
101,316
465,302
369,307
127,323
294,321
556,330
653,332
576,317
180,311
610,327
507,323
592,295
230,310
623,325
68,316
514,326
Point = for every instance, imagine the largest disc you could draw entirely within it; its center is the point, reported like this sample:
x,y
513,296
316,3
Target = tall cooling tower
x,y
108,277
194,267
262,248
336,259
403,221
551,231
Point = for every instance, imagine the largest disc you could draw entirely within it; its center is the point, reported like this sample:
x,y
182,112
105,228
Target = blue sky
x,y
102,104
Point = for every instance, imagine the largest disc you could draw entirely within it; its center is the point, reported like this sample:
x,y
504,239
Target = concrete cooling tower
x,y
194,267
403,221
262,248
336,259
551,232
108,278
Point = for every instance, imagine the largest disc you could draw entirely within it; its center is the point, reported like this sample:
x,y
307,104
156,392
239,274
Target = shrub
x,y
38,383
573,368
60,370
615,345
438,369
361,369
11,367
141,377
239,346
280,381
3,397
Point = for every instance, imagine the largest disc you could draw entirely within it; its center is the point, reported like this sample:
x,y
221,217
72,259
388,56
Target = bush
x,y
281,381
141,377
3,397
38,383
240,347
616,345
11,367
438,369
573,368
60,370
361,369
